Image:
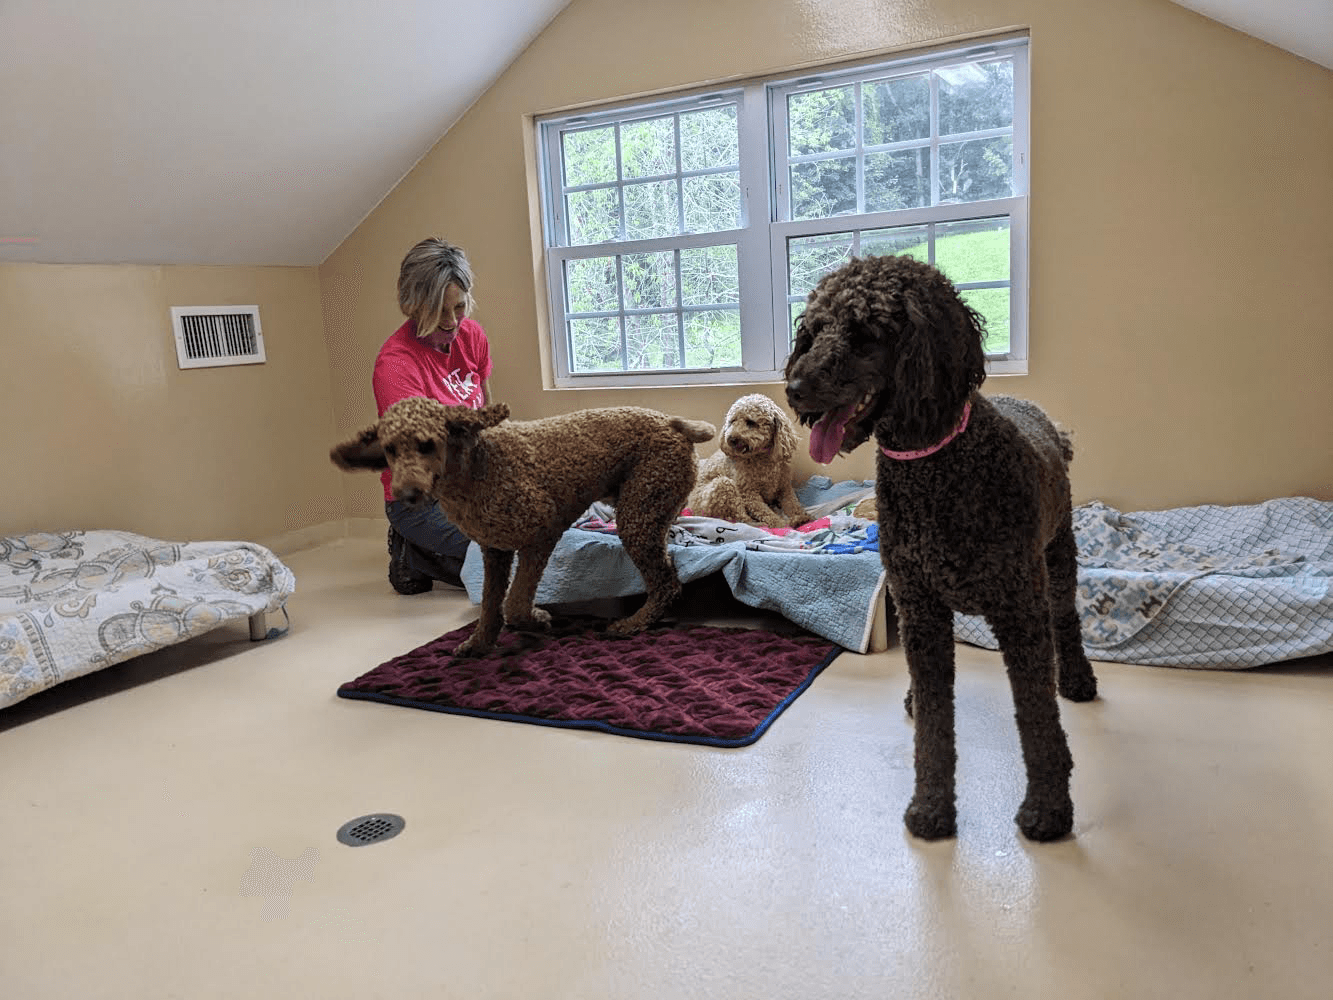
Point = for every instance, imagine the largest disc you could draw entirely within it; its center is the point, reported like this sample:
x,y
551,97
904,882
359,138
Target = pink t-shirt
x,y
408,367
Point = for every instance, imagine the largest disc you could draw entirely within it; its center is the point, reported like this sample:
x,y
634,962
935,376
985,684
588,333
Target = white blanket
x,y
78,601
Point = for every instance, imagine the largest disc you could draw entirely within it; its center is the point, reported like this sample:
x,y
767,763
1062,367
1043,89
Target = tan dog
x,y
749,477
514,487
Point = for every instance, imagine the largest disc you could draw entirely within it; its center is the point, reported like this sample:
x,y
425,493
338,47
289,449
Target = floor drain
x,y
370,829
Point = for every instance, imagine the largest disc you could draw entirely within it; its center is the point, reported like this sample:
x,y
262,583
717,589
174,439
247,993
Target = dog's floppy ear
x,y
465,453
460,431
784,436
362,452
493,414
945,341
940,361
804,340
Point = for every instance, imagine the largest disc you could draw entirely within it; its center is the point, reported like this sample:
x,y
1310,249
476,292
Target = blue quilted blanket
x,y
1208,586
829,580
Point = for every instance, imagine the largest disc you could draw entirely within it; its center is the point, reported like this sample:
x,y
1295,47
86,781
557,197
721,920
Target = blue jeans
x,y
436,547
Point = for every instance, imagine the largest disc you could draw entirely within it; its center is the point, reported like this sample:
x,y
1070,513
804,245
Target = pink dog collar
x,y
904,456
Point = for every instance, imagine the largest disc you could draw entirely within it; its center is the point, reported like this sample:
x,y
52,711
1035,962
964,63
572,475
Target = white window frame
x,y
761,240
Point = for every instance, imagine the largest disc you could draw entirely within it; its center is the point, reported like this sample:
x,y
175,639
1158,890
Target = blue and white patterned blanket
x,y
1208,586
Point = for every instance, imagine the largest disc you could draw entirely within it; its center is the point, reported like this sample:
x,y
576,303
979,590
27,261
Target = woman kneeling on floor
x,y
443,355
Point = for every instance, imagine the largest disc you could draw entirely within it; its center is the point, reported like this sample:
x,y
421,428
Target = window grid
x,y
764,314
856,240
678,176
623,311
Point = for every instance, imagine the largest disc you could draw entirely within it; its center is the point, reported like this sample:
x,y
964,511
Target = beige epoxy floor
x,y
168,832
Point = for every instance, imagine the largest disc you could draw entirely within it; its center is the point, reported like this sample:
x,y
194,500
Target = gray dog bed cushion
x,y
1207,587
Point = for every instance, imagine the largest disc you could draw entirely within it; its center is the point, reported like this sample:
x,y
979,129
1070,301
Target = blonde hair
x,y
426,273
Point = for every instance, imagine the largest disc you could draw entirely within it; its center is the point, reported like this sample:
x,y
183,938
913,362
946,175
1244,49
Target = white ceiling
x,y
264,131
1304,27
228,131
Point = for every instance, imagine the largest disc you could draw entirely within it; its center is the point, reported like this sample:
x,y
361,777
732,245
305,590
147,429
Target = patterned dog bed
x,y
78,601
1208,586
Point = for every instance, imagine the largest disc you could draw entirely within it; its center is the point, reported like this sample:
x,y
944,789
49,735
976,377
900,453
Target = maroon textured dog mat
x,y
686,684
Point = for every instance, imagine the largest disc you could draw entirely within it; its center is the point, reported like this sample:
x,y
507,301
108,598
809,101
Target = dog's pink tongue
x,y
826,436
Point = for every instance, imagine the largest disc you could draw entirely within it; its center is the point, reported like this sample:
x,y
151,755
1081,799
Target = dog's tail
x,y
694,430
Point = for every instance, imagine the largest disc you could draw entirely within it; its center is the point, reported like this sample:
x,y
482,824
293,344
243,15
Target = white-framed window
x,y
683,234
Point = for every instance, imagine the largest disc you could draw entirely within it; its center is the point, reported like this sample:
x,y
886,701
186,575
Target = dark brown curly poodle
x,y
973,501
515,486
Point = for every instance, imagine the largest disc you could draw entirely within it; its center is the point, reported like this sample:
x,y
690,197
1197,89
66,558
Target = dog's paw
x,y
626,626
472,646
537,620
1078,686
931,820
1045,822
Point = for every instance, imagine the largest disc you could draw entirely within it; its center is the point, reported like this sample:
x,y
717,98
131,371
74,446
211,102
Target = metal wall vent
x,y
370,829
209,336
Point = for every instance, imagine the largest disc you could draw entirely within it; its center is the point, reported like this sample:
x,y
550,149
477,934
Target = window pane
x,y
594,345
594,216
713,202
648,148
590,156
713,339
709,275
651,210
823,189
652,342
975,96
821,120
709,139
650,280
992,303
591,285
810,258
905,241
896,110
973,251
932,139
976,170
897,180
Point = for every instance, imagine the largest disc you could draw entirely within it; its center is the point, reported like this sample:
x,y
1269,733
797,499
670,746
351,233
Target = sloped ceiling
x,y
1304,27
264,131
232,132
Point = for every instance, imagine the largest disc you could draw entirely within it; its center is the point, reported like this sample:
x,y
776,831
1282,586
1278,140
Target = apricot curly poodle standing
x,y
974,510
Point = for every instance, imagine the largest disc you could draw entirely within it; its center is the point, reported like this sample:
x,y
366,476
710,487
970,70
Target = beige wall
x,y
1181,237
103,430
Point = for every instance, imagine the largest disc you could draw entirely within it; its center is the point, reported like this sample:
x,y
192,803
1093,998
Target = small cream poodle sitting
x,y
749,478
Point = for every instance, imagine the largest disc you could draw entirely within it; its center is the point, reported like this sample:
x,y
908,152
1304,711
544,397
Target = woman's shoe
x,y
402,577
